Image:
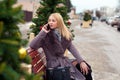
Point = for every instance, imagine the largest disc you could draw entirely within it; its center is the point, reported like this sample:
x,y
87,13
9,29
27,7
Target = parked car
x,y
109,20
118,27
115,23
94,18
103,19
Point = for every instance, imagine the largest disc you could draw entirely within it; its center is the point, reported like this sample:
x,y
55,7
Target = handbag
x,y
58,73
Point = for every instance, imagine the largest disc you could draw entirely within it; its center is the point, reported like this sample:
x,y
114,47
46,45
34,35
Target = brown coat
x,y
54,51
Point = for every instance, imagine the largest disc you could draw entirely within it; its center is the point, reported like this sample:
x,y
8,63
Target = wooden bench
x,y
38,60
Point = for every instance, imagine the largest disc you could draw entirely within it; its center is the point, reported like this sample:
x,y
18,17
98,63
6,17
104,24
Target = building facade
x,y
29,7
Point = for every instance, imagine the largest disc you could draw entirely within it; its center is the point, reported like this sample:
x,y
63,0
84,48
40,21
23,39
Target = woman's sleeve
x,y
75,53
37,41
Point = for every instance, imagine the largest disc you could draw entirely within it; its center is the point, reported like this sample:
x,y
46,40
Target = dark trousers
x,y
88,76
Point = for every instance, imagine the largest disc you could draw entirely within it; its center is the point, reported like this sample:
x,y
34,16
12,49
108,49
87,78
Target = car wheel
x,y
81,24
118,29
112,25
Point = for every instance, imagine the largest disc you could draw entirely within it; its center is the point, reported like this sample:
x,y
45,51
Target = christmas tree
x,y
12,53
47,7
87,16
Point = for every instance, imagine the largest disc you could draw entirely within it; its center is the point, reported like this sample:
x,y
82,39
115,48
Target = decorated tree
x,y
87,16
47,7
12,51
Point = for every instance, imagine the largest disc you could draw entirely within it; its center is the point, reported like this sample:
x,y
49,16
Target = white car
x,y
109,20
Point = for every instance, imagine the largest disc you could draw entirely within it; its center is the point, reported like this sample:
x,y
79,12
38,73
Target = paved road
x,y
99,45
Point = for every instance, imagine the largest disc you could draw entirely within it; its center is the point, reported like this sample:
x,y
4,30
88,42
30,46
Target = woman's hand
x,y
44,28
84,68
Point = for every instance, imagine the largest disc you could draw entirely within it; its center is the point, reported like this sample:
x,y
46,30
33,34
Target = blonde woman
x,y
54,41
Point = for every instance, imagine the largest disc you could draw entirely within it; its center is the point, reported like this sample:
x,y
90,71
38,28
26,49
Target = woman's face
x,y
52,22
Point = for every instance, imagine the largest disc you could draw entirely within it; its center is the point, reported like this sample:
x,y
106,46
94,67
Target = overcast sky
x,y
91,4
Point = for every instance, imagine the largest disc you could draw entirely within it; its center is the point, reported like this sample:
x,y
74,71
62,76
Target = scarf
x,y
55,43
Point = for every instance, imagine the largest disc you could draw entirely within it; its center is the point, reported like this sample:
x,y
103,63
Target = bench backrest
x,y
38,60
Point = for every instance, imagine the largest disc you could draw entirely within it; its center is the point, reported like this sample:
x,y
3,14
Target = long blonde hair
x,y
61,26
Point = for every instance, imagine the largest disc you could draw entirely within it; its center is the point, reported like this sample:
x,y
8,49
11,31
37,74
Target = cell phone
x,y
48,27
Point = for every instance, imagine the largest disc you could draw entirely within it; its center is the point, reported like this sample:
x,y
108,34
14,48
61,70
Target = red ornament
x,y
41,27
69,23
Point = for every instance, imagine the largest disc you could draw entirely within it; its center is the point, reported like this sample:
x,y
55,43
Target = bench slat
x,y
38,66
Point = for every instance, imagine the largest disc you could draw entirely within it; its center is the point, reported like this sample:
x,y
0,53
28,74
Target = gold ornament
x,y
22,53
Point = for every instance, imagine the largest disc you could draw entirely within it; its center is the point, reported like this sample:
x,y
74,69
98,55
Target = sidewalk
x,y
91,47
